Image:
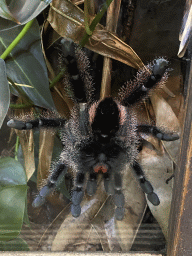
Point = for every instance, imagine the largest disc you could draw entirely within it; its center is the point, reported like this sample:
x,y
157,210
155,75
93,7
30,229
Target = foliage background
x,y
130,34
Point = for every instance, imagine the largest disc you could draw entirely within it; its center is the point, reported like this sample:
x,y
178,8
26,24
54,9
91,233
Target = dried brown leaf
x,y
112,237
154,141
68,19
46,142
27,144
98,213
104,223
62,106
48,36
158,169
77,2
135,205
76,231
106,78
45,30
26,141
166,119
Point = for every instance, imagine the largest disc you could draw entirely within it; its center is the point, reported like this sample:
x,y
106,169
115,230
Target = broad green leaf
x,y
16,244
26,65
4,92
5,12
22,11
7,24
13,191
26,217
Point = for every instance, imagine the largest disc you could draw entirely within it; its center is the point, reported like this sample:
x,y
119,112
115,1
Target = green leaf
x,y
16,244
26,65
4,11
26,217
22,11
4,92
13,191
7,24
11,172
56,153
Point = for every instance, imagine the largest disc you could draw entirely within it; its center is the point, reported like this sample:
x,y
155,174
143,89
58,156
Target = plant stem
x,y
57,78
17,40
94,23
16,147
86,18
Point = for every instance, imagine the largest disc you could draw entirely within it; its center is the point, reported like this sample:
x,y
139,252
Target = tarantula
x,y
101,139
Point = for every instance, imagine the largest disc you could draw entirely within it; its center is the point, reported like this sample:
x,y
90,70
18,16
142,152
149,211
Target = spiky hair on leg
x,y
79,63
83,64
45,120
66,78
147,79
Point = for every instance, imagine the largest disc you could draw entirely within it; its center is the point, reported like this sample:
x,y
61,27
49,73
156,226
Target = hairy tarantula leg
x,y
108,183
77,195
145,184
119,199
92,184
37,123
141,91
157,132
50,186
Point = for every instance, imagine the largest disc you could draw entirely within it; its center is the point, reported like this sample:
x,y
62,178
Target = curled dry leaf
x,y
104,224
160,167
27,144
26,139
46,142
97,225
166,119
76,231
158,170
68,21
135,205
63,104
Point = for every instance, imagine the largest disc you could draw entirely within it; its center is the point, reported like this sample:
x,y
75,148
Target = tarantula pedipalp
x,y
102,139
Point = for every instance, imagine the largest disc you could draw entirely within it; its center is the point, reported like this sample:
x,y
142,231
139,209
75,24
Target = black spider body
x,y
101,139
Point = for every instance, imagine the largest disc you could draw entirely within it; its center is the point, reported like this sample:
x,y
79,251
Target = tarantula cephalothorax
x,y
102,139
